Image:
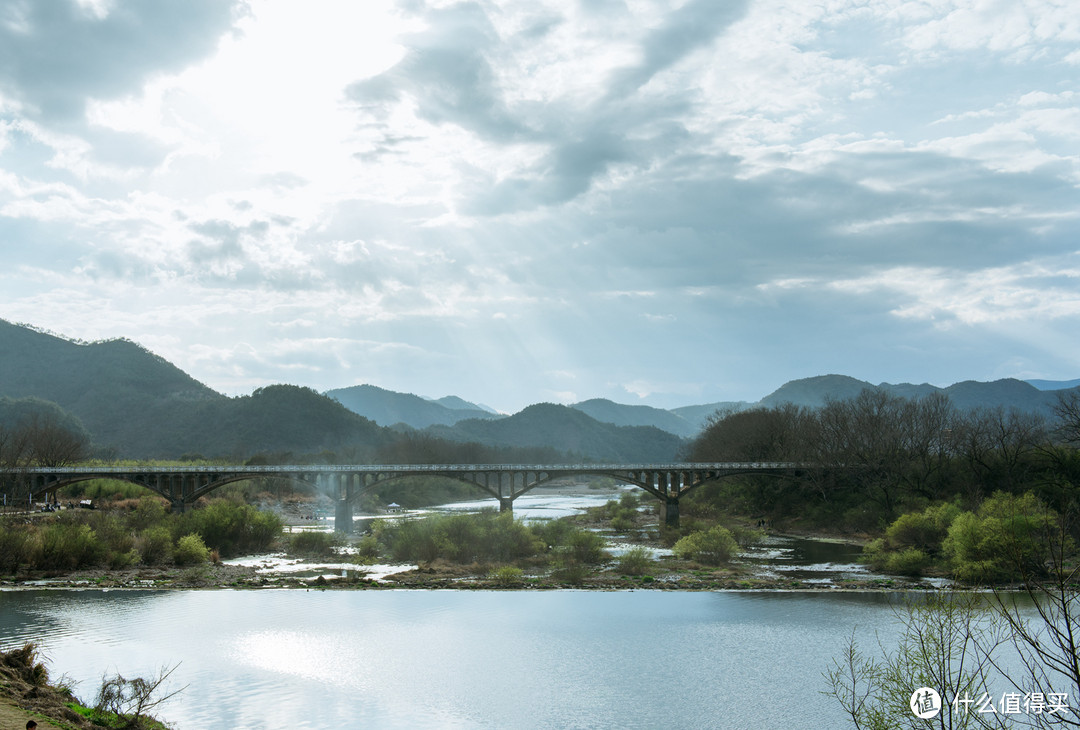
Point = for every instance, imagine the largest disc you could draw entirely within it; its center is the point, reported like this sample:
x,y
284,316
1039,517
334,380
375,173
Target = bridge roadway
x,y
183,485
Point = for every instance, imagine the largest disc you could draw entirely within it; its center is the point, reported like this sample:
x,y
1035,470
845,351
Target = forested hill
x,y
135,404
1007,393
569,430
81,376
388,408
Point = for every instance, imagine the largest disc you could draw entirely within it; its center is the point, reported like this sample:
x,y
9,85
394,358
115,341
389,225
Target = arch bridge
x,y
183,485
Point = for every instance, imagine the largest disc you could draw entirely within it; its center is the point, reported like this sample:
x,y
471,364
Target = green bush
x,y
18,546
912,541
154,545
553,533
712,547
484,537
232,528
635,561
923,530
586,547
909,561
68,545
150,512
1009,538
118,560
624,520
367,549
508,575
190,550
568,570
113,532
311,542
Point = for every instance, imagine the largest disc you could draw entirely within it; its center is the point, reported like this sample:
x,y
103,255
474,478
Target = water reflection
x,y
427,659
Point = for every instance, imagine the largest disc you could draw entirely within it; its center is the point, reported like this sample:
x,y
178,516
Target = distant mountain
x,y
387,407
607,411
458,404
699,416
567,429
1007,393
135,404
813,392
1054,384
74,375
290,418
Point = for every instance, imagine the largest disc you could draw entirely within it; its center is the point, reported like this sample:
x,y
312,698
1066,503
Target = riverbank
x,y
27,694
263,573
770,561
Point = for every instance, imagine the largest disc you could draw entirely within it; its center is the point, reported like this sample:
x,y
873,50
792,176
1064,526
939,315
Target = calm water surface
x,y
460,659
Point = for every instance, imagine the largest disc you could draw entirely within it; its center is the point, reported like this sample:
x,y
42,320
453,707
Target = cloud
x,y
447,74
473,198
55,54
694,25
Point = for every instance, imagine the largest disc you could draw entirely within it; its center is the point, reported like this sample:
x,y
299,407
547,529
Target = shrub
x,y
635,561
587,547
27,663
310,542
231,527
118,560
553,532
923,530
150,511
367,548
1009,538
508,575
484,537
570,571
18,546
712,547
190,550
154,545
909,561
68,545
624,520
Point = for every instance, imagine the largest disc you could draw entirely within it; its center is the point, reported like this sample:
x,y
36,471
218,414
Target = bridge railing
x,y
411,468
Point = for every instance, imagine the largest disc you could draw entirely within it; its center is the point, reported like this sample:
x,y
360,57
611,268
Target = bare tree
x,y
1067,411
946,644
962,645
51,443
131,700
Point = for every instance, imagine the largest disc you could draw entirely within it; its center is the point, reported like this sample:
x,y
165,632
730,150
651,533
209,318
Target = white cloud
x,y
478,197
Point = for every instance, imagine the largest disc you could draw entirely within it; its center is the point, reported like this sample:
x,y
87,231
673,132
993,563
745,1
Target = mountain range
x,y
135,404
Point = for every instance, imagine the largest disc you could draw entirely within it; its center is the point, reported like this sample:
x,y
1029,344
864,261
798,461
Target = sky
x,y
659,202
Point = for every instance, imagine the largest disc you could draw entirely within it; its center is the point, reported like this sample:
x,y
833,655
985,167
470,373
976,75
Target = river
x,y
473,659
460,659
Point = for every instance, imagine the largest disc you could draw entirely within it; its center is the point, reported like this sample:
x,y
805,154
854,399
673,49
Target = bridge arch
x,y
182,485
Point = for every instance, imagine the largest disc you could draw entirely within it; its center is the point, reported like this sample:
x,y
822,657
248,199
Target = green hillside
x,y
568,430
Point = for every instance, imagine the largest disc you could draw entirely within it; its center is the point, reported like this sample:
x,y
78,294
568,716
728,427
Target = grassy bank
x,y
141,533
26,693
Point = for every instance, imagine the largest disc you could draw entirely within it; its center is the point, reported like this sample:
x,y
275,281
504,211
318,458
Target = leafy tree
x,y
1004,540
947,643
712,547
190,550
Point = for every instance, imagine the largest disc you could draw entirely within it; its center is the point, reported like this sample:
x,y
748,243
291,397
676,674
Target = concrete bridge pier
x,y
176,493
506,493
343,517
669,512
340,488
669,486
